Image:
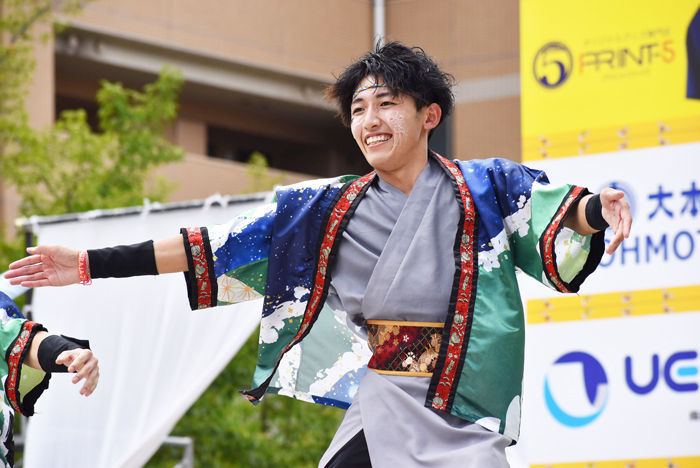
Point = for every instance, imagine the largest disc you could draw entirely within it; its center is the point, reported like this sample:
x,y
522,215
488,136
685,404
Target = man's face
x,y
387,128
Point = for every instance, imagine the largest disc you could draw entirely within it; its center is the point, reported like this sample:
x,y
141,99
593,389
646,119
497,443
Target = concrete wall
x,y
476,41
312,36
472,39
200,176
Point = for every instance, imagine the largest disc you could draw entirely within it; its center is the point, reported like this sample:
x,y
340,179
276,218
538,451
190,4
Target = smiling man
x,y
418,259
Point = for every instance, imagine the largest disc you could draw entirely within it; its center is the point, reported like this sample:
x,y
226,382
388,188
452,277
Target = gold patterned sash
x,y
404,348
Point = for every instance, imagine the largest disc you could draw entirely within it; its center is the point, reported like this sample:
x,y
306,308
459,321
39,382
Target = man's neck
x,y
404,177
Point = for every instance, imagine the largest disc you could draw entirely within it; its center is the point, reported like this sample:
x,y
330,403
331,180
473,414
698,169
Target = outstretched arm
x,y
58,266
170,255
614,209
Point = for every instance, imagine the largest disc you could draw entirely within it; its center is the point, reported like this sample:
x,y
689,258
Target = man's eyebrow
x,y
378,95
385,94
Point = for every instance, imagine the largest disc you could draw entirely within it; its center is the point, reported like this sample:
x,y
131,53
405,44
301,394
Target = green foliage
x,y
68,168
17,21
258,171
10,250
229,432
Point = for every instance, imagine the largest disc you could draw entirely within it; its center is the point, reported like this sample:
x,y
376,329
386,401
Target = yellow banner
x,y
675,462
614,305
601,75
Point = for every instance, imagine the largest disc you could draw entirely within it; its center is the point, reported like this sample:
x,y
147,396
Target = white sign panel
x,y
612,374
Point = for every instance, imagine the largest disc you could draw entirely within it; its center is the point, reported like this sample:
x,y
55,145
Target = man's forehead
x,y
371,83
365,88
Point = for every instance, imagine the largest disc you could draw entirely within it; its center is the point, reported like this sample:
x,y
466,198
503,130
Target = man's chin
x,y
378,160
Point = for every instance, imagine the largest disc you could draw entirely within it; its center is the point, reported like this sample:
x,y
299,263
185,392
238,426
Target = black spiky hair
x,y
408,69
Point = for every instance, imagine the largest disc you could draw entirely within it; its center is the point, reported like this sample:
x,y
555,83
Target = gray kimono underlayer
x,y
396,262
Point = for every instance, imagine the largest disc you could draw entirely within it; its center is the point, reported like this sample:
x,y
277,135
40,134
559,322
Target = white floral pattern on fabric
x,y
233,291
270,325
297,395
287,372
219,233
517,222
488,259
520,220
348,362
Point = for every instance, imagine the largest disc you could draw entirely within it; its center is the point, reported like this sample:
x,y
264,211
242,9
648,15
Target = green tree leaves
x,y
68,168
229,432
258,171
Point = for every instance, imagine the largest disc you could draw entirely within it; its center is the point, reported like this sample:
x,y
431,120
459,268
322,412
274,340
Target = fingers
x,y
610,195
91,381
74,359
32,281
66,357
29,270
626,221
614,242
618,209
26,261
17,276
85,365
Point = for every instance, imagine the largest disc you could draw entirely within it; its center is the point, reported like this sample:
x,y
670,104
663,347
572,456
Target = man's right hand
x,y
47,266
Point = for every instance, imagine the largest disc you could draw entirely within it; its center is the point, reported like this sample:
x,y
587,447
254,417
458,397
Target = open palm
x,y
616,211
47,266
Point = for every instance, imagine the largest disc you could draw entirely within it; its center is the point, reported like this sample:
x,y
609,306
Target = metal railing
x,y
188,445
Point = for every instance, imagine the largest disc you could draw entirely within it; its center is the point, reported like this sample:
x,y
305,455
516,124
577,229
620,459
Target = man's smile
x,y
373,140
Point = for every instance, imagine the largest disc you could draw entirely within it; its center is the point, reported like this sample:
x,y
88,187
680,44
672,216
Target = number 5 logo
x,y
552,65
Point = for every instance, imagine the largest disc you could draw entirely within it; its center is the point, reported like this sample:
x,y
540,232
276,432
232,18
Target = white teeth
x,y
376,139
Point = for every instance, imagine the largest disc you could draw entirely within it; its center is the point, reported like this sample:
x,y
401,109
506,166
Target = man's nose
x,y
371,118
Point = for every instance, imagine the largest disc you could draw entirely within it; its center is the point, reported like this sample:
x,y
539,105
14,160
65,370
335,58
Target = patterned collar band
x,y
369,86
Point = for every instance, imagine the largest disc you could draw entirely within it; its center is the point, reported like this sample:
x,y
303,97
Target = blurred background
x,y
238,109
255,73
106,104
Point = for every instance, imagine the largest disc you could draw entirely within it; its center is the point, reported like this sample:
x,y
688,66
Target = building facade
x,y
255,73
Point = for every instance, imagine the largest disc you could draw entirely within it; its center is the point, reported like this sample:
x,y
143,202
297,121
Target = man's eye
x,y
387,103
357,110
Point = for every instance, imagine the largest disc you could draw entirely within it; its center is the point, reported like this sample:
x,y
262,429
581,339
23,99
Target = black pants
x,y
354,454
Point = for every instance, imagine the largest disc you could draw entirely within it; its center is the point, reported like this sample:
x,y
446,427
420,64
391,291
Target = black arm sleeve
x,y
123,261
594,214
52,346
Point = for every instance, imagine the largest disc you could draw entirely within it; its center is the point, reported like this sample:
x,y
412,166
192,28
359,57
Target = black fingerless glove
x,y
52,346
594,214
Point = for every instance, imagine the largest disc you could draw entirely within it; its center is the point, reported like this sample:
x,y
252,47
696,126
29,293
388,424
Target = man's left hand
x,y
84,364
616,212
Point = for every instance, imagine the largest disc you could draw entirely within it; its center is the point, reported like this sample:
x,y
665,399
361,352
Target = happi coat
x,y
509,218
21,384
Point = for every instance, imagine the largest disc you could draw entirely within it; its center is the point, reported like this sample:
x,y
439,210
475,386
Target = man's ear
x,y
432,116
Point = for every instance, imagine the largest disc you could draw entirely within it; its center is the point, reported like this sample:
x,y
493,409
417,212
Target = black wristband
x,y
594,213
123,261
52,346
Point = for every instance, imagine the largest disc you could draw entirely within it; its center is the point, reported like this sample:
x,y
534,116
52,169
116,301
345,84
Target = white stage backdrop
x,y
156,356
